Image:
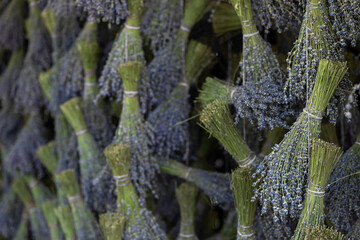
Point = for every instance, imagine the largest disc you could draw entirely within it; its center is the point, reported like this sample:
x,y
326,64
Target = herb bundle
x,y
215,185
324,157
85,223
243,190
186,195
284,171
140,224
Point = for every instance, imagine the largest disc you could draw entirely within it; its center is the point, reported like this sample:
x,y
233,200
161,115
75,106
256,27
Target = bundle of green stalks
x,y
95,112
217,120
243,190
47,155
225,19
316,41
28,94
85,223
3,5
140,224
258,61
65,218
169,119
213,89
186,195
215,185
126,48
12,32
44,200
323,233
10,75
283,181
38,225
134,131
92,161
48,210
112,225
324,157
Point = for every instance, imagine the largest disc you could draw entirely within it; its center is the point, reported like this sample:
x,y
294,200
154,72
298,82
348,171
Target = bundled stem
x,y
85,224
186,196
225,19
215,185
92,161
213,89
140,224
324,157
112,225
49,213
64,215
217,120
282,171
48,156
245,206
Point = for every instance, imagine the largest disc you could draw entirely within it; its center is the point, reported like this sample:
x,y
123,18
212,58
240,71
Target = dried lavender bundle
x,y
48,210
284,171
261,102
21,157
65,218
112,11
169,119
271,229
95,112
258,61
225,19
316,41
48,156
65,139
217,120
9,77
186,195
215,185
243,190
38,224
167,68
133,130
140,223
10,213
342,201
161,22
12,25
27,91
85,223
112,225
282,15
63,28
126,47
354,233
92,161
324,157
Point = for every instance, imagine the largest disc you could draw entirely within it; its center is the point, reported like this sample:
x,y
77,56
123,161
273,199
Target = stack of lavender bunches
x,y
179,119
